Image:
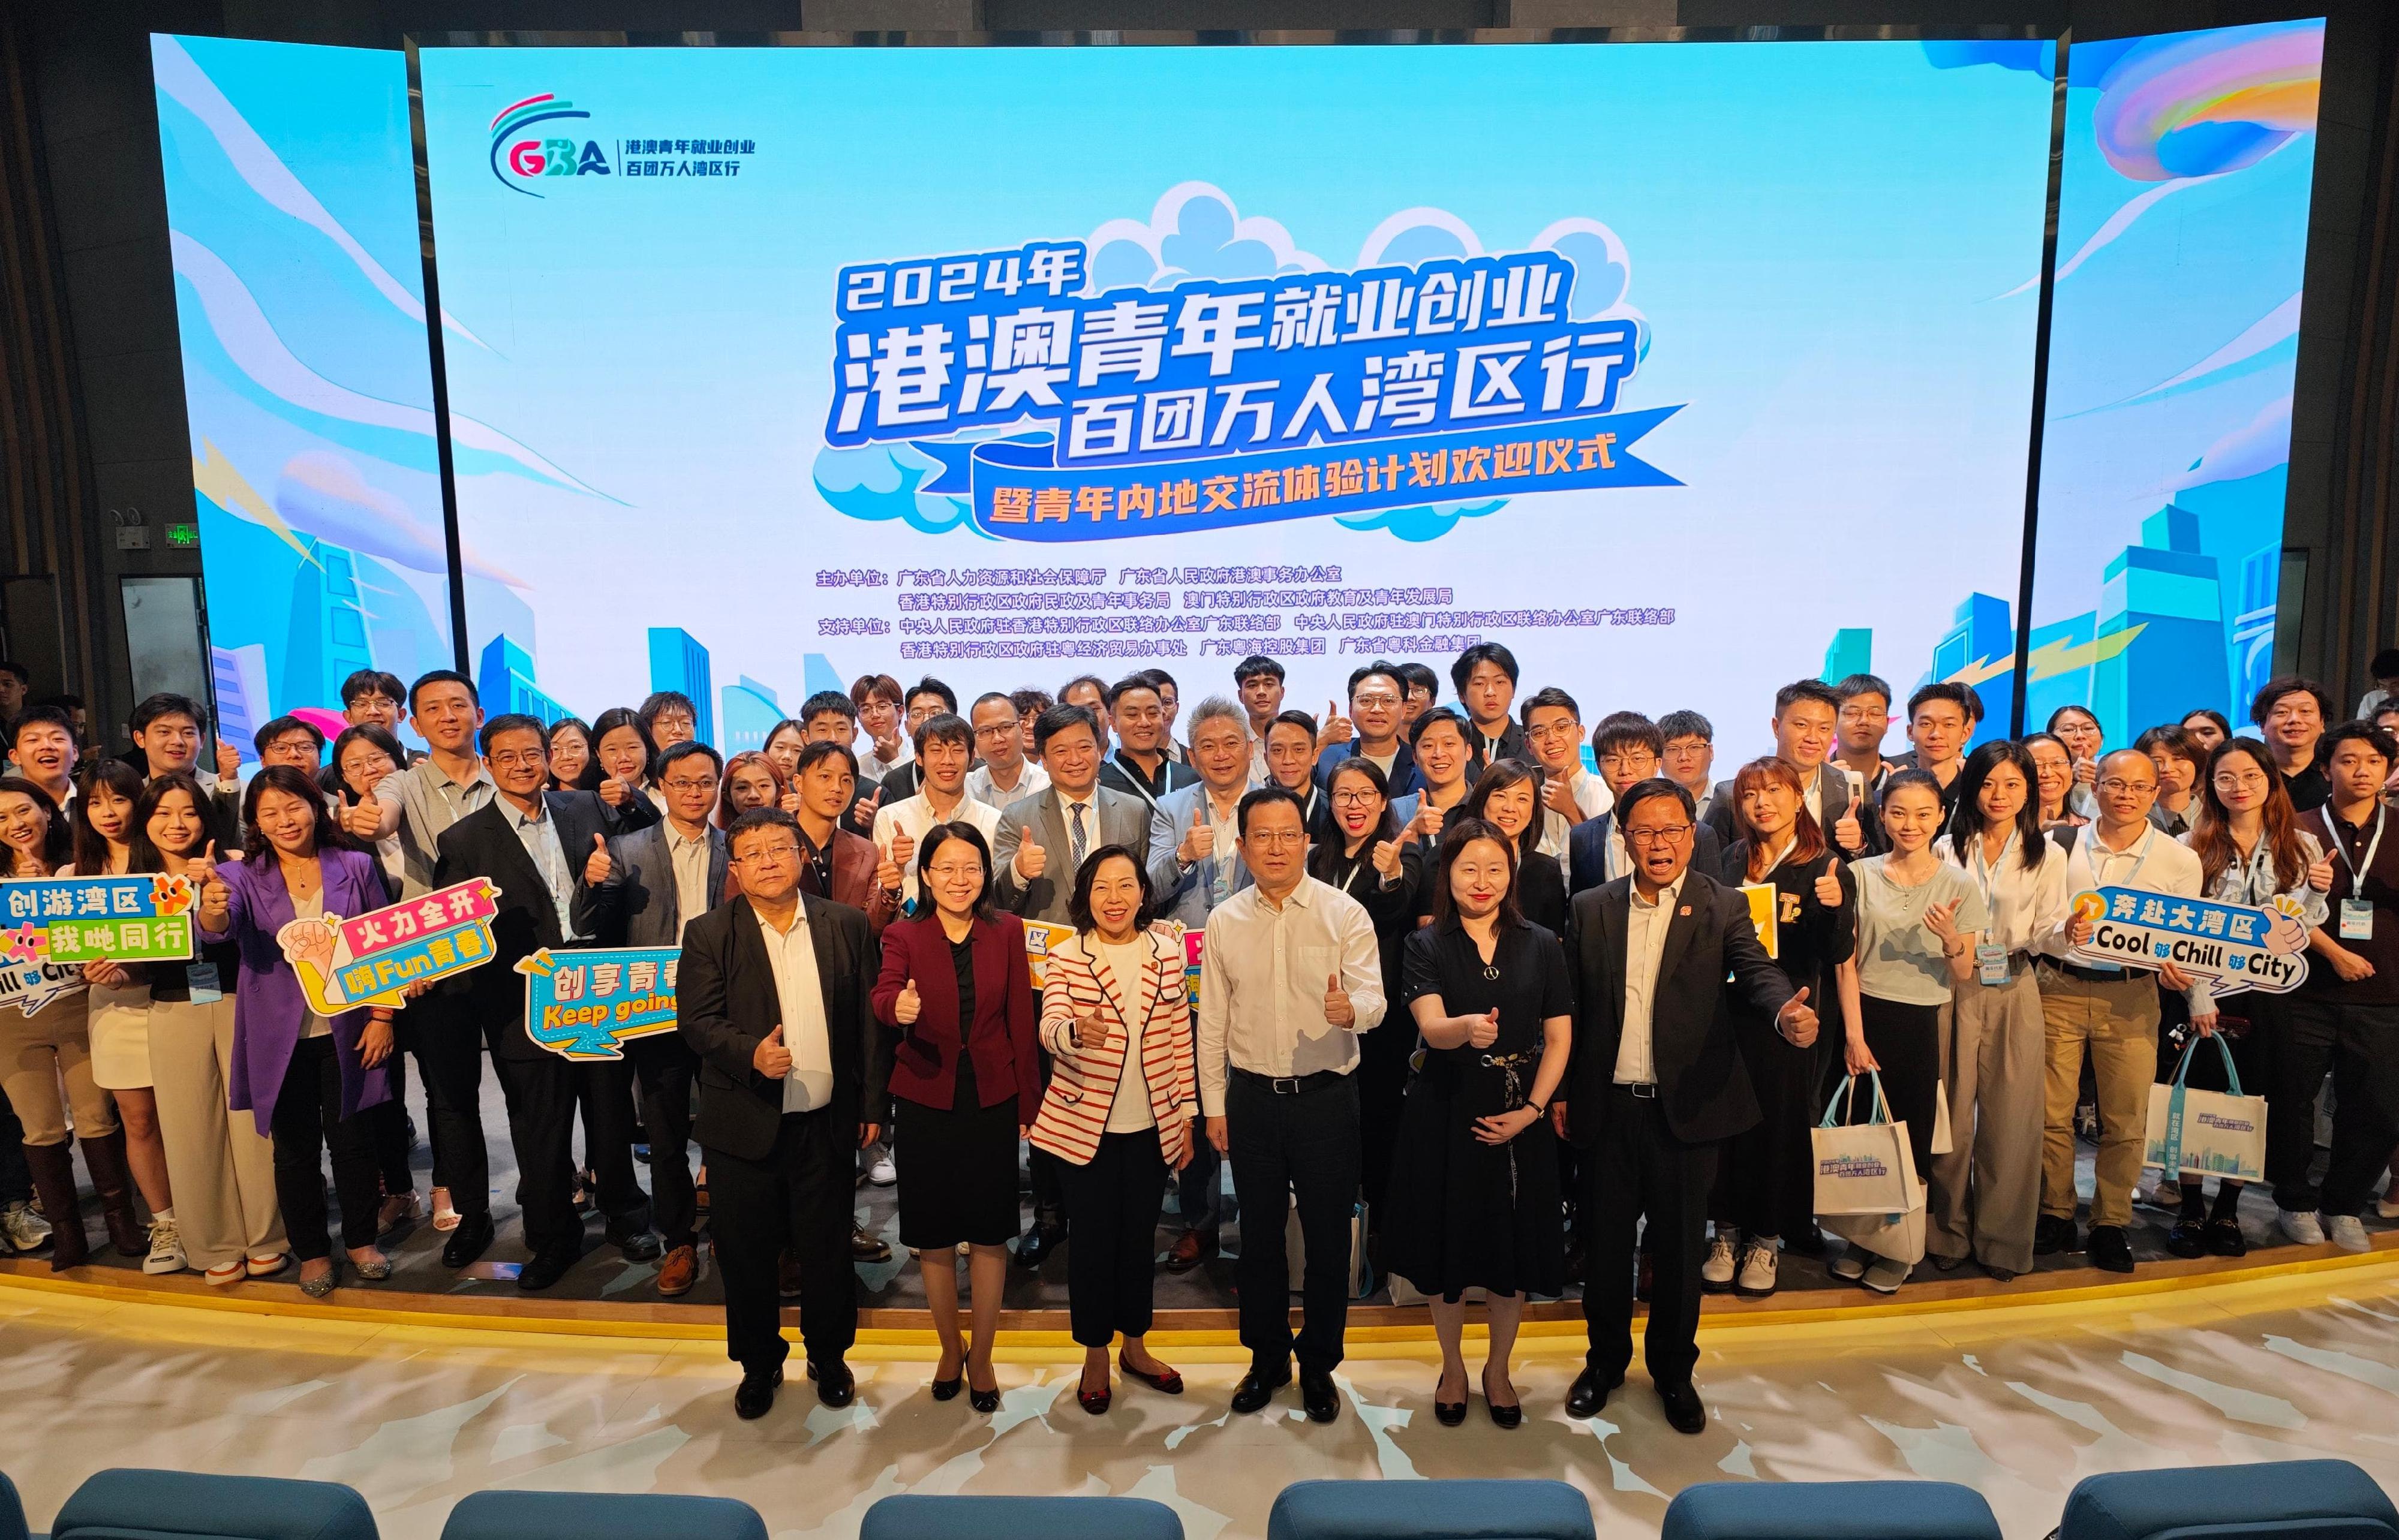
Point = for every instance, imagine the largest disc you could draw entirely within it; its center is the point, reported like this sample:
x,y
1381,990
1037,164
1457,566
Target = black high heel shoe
x,y
1504,1416
1448,1414
984,1401
947,1390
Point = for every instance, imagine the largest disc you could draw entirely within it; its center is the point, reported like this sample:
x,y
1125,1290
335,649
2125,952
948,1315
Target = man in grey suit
x,y
1042,843
640,890
1807,714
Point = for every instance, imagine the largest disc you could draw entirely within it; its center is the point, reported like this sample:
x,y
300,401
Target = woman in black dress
x,y
1508,796
1765,1183
1474,1183
1367,858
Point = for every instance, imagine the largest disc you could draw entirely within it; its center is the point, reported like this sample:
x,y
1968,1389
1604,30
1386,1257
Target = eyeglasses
x,y
1555,730
2240,779
1354,799
1665,835
1375,698
996,730
2121,786
685,783
1271,839
773,856
1626,762
519,757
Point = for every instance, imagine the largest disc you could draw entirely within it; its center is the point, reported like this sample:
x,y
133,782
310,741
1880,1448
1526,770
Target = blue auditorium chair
x,y
1430,1510
1829,1511
907,1517
2303,1499
12,1512
599,1516
173,1505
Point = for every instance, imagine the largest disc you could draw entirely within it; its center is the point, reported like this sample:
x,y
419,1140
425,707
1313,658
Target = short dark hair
x,y
1126,685
823,701
34,716
1300,720
943,727
615,717
1079,903
2212,714
17,672
1094,681
987,697
1656,786
1963,695
928,685
1862,684
1380,666
164,704
1056,720
688,748
512,721
1254,666
1481,653
280,725
768,817
1548,696
1453,841
2075,707
659,702
942,834
443,676
2380,740
1432,717
2385,665
1030,702
824,749
1806,689
866,687
294,781
374,737
2290,685
1260,796
1686,725
1418,676
1625,730
2175,741
373,681
1160,681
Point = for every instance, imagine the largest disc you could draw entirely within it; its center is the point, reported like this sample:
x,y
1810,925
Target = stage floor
x,y
2016,1397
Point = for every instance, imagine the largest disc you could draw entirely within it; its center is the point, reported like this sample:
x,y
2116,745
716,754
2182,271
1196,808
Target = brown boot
x,y
53,1168
105,1157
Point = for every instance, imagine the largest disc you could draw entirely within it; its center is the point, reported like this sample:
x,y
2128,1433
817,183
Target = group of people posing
x,y
1504,1016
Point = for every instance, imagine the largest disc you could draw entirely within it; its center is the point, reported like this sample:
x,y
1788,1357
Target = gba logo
x,y
546,156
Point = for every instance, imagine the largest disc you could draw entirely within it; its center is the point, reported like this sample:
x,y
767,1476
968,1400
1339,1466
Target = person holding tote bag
x,y
1918,921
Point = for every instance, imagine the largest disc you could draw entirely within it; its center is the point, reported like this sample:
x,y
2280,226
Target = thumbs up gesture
x,y
1085,1031
614,791
360,816
772,1060
1339,1011
1426,825
1031,860
1796,1021
903,848
1828,886
1387,859
1483,1030
861,812
888,875
597,866
2319,875
910,1006
1199,840
1847,833
214,900
1336,728
1559,797
228,761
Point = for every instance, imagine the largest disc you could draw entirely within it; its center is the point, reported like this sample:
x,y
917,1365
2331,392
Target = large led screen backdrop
x,y
291,208
1684,368
2182,236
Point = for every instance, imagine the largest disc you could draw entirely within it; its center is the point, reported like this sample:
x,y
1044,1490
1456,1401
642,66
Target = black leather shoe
x,y
2188,1237
2225,1239
2111,1251
1039,1242
1258,1388
637,1244
1589,1393
1318,1396
547,1267
1449,1413
2052,1235
471,1239
1685,1411
755,1395
984,1401
836,1386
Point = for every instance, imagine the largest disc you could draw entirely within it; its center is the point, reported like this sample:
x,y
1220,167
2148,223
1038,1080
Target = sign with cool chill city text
x,y
2231,946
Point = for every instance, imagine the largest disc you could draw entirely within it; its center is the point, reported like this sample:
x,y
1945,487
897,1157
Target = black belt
x,y
1643,1090
1287,1085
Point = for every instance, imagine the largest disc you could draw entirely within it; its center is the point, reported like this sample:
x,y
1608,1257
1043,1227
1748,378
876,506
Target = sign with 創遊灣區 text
x,y
142,918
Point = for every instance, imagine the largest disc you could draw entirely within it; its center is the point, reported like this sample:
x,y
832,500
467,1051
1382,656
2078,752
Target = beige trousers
x,y
1987,1190
222,1173
40,1053
2116,1023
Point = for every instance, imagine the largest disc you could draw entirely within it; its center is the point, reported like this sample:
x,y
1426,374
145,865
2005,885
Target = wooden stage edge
x,y
1400,1326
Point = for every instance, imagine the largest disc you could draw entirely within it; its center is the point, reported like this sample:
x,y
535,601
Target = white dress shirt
x,y
539,833
913,815
1089,803
1645,943
2022,906
2152,862
690,861
1031,781
1262,985
800,991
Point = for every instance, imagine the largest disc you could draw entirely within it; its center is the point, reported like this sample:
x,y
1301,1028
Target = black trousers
x,y
1109,1268
1905,1040
1047,1170
541,1094
391,1133
604,1094
1305,1144
16,1178
450,1061
307,1123
797,1199
663,1068
1637,1166
2360,1045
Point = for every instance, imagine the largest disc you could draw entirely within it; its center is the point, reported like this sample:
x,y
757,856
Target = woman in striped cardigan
x,y
1115,1018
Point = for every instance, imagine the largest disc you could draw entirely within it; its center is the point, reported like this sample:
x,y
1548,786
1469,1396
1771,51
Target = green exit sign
x,y
186,536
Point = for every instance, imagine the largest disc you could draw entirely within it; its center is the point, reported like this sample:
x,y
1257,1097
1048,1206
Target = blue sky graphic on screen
x,y
1639,357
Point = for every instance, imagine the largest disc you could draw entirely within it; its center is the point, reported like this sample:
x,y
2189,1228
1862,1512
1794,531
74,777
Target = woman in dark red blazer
x,y
956,985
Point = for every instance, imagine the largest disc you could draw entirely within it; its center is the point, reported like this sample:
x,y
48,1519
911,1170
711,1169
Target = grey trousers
x,y
222,1167
1985,1191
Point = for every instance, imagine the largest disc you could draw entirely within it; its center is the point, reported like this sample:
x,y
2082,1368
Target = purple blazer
x,y
268,1009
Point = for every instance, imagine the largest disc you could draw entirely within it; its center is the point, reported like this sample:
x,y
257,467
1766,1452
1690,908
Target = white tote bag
x,y
1863,1167
2206,1133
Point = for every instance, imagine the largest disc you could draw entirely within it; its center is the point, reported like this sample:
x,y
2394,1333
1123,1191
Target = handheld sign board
x,y
585,1005
372,959
2231,946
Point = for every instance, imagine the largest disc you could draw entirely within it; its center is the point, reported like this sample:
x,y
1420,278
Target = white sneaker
x,y
1715,1274
2346,1232
1886,1275
166,1248
880,1171
2301,1227
1850,1266
1758,1260
26,1230
2387,1206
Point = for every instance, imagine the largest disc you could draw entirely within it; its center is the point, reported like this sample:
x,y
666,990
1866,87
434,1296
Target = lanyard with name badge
x,y
2099,854
1990,958
2356,915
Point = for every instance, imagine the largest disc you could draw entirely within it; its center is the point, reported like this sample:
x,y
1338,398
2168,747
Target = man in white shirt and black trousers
x,y
1291,977
773,998
1657,1084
